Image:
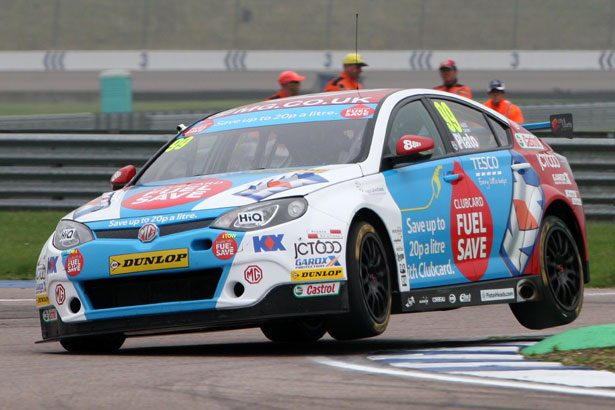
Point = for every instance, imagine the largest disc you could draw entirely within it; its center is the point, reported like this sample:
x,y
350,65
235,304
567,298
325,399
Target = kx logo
x,y
51,264
268,243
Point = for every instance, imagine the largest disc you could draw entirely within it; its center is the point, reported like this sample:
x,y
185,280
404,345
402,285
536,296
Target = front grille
x,y
132,233
150,289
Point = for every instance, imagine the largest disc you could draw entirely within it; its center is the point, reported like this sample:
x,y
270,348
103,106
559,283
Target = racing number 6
x,y
448,116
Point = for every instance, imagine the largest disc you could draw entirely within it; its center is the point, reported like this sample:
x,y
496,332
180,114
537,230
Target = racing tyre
x,y
93,344
562,276
369,286
295,331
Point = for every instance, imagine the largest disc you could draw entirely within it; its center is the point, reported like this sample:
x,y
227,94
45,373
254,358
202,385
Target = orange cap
x,y
288,76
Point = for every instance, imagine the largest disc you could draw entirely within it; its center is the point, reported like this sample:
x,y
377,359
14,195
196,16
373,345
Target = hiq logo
x,y
268,243
51,264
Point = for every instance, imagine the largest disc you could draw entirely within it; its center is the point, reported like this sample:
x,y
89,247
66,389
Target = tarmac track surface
x,y
241,370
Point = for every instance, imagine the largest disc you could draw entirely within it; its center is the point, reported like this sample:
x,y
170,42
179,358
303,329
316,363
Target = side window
x,y
468,126
413,119
500,132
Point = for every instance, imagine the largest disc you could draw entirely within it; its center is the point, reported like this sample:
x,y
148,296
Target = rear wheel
x,y
562,275
302,330
93,344
369,286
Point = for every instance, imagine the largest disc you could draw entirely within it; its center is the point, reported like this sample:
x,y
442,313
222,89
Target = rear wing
x,y
559,124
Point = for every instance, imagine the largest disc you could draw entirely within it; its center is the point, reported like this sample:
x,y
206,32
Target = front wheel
x,y
93,344
369,286
562,276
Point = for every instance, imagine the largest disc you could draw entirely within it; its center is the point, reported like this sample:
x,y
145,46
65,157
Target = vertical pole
x,y
55,30
235,26
515,23
421,26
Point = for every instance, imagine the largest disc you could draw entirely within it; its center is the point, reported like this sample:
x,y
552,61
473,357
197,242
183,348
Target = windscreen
x,y
301,137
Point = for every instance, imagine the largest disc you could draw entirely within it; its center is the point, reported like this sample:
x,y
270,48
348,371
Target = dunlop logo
x,y
146,261
317,274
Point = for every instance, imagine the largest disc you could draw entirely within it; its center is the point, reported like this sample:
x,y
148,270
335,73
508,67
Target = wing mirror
x,y
410,148
123,176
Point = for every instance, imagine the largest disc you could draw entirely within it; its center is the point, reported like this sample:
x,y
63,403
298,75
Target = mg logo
x,y
253,274
60,294
148,233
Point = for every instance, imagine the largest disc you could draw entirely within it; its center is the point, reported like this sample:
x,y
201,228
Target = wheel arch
x,y
368,215
561,209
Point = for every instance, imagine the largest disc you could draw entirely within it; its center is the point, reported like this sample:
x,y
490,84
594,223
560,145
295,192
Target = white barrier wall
x,y
246,60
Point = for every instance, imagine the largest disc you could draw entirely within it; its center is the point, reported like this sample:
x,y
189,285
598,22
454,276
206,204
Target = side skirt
x,y
509,290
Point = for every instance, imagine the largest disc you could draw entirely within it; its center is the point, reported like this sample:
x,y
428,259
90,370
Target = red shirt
x,y
279,94
456,88
342,83
508,109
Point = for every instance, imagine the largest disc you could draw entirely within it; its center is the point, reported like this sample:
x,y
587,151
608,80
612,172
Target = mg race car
x,y
321,213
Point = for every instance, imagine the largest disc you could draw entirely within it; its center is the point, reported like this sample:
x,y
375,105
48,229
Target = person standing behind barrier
x,y
448,72
497,102
290,83
349,78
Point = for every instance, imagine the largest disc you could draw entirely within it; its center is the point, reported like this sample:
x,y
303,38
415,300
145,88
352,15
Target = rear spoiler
x,y
559,124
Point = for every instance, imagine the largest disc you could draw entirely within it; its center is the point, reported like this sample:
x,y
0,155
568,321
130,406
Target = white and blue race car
x,y
321,213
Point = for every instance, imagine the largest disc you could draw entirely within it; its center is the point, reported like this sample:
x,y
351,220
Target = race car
x,y
321,213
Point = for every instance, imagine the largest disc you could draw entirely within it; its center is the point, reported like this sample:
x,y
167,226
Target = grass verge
x,y
599,359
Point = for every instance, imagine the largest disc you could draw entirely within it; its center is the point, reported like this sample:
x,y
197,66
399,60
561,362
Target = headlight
x,y
261,215
69,234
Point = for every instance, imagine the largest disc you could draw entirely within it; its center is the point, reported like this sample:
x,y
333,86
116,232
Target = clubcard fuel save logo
x,y
471,227
177,194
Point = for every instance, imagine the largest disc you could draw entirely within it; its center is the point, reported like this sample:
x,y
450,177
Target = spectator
x,y
290,82
448,72
349,78
497,102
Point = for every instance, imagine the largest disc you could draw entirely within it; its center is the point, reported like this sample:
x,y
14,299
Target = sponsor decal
x,y
561,179
52,263
471,228
410,302
325,234
357,111
250,219
317,248
317,274
282,183
268,243
148,261
148,232
177,194
424,300
179,144
574,196
74,262
60,294
465,297
50,315
253,274
40,287
318,262
548,161
317,289
42,300
159,219
200,127
487,295
485,163
528,141
225,246
438,299
452,298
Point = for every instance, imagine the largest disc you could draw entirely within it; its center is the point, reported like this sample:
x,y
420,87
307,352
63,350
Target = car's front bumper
x,y
279,303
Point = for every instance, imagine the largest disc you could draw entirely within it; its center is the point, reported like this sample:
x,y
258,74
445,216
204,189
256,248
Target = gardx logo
x,y
147,261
